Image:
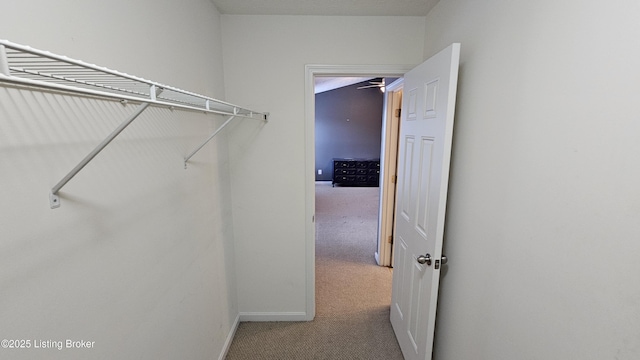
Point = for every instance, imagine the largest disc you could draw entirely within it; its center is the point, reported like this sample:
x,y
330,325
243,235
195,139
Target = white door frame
x,y
311,71
388,173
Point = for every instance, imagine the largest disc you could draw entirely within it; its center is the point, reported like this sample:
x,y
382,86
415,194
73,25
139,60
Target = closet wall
x,y
268,162
139,257
542,224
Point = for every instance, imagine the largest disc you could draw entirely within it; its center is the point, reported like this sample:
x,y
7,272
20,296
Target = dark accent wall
x,y
348,125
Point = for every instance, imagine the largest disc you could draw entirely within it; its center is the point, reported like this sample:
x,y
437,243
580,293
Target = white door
x,y
426,132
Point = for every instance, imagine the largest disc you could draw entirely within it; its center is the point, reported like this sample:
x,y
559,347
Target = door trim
x,y
388,163
311,71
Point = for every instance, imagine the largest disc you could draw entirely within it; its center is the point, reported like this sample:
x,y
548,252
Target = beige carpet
x,y
352,293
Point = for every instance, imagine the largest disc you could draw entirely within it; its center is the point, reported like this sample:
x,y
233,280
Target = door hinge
x,y
398,112
390,239
394,179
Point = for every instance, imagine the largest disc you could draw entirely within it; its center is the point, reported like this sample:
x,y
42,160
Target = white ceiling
x,y
326,7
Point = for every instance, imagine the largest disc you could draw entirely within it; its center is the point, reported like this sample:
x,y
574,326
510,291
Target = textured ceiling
x,y
326,7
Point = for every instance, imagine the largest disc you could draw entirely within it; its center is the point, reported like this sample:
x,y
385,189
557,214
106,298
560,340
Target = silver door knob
x,y
424,259
444,259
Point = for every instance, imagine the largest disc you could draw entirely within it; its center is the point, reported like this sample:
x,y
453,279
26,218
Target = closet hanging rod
x,y
26,66
125,98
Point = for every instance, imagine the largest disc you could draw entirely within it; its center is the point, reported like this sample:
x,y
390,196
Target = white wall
x,y
543,220
264,63
139,257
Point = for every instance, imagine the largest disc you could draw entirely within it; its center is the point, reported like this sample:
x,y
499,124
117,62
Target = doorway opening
x,y
313,71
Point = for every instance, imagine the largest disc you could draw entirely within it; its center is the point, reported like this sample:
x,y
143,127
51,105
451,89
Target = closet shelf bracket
x,y
26,67
54,199
186,159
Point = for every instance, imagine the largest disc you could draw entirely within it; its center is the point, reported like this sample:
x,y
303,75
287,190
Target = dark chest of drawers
x,y
356,172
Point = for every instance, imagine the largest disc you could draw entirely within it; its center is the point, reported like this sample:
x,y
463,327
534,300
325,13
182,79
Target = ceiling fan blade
x,y
378,83
368,86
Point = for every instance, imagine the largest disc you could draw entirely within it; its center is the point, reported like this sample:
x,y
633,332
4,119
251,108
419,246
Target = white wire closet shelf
x,y
25,66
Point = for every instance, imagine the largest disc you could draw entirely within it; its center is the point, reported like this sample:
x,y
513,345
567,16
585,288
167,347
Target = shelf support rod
x,y
54,199
4,63
186,159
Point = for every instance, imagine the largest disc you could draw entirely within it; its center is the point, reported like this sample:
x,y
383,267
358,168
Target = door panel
x,y
411,105
416,290
426,133
426,154
431,95
402,305
407,178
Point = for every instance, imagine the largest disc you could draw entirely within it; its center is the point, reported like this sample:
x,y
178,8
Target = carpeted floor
x,y
352,293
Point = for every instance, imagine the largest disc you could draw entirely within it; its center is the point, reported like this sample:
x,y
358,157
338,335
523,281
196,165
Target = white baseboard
x,y
274,316
229,340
